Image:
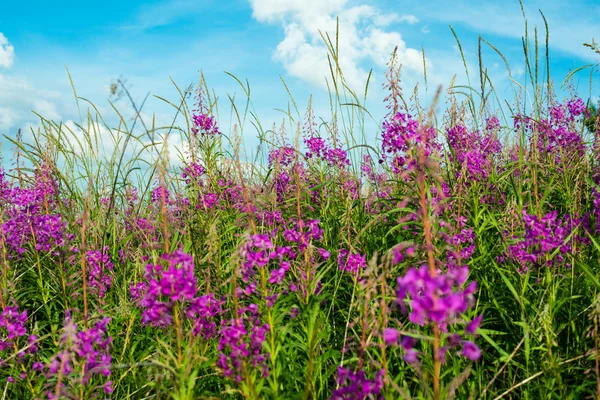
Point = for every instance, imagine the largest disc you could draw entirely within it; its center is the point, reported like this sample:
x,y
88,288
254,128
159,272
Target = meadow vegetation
x,y
457,256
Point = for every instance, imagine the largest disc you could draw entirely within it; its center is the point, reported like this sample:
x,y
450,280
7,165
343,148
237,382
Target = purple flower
x,y
85,352
471,351
171,285
324,254
204,124
390,336
241,347
401,137
441,299
355,385
542,238
100,269
351,262
411,356
203,311
12,328
472,152
278,274
282,157
471,327
30,218
192,172
294,311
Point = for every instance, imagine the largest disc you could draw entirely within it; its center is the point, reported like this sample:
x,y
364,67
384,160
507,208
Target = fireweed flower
x,y
355,385
319,149
100,270
596,206
203,311
460,243
316,146
302,234
287,178
159,194
261,257
556,133
442,299
390,336
257,253
351,262
542,237
401,136
171,285
473,152
283,156
83,355
13,335
30,216
192,172
204,124
240,346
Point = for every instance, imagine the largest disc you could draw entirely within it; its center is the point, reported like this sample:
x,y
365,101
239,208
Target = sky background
x,y
148,43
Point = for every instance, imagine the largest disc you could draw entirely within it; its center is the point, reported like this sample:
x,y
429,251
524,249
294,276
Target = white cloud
x,y
18,97
274,10
409,19
7,52
361,39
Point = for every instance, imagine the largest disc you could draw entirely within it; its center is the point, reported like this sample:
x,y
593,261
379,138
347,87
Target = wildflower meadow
x,y
455,256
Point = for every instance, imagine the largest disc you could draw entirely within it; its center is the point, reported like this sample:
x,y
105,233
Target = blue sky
x,y
150,42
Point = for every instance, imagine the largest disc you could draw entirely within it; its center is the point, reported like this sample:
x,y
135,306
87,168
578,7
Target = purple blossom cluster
x,y
556,134
30,216
259,253
160,194
283,184
270,218
355,385
460,243
84,354
366,167
402,136
353,263
319,149
442,299
542,238
14,338
240,345
13,323
100,270
473,152
5,188
226,193
282,157
192,173
303,232
175,284
204,124
202,311
12,326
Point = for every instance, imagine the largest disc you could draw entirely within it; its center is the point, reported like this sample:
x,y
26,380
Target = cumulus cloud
x,y
7,52
362,38
18,97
